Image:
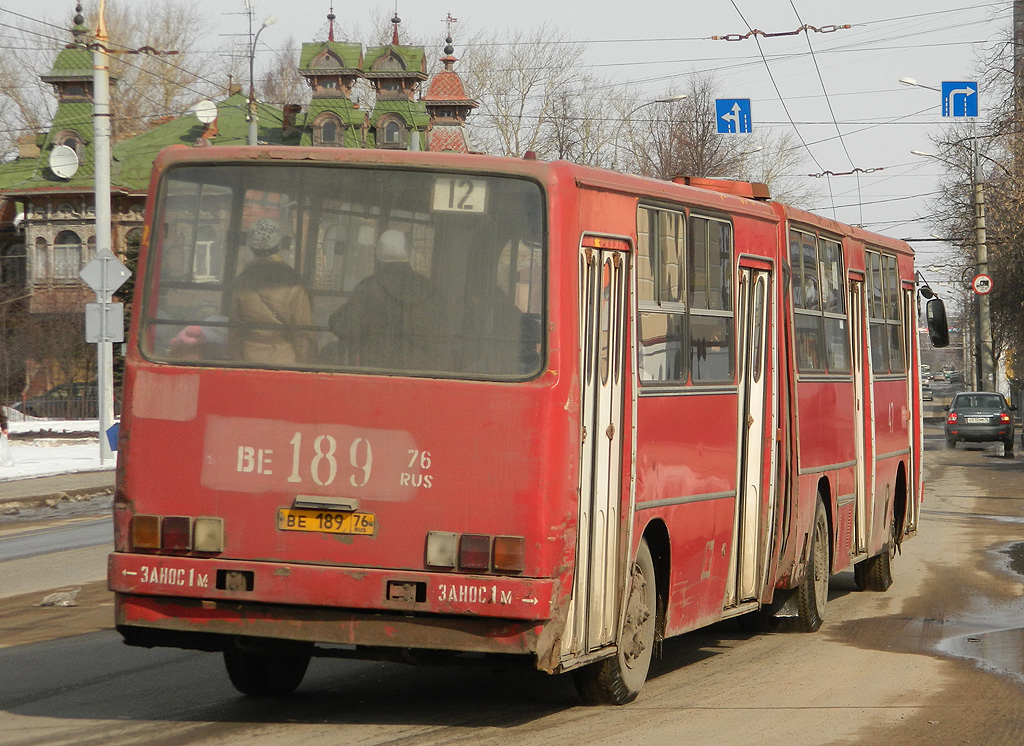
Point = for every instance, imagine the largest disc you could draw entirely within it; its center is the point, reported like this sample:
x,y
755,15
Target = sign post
x,y
104,325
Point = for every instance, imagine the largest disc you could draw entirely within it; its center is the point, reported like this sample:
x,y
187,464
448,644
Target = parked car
x,y
980,417
68,401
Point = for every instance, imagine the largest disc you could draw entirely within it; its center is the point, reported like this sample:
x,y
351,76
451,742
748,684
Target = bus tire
x,y
875,573
812,593
261,674
617,680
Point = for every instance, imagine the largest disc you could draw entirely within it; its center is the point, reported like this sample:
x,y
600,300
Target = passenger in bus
x,y
271,316
499,338
395,318
206,341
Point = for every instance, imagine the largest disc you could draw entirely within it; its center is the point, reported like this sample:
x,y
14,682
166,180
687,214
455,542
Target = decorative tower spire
x,y
395,20
79,32
330,20
447,103
448,60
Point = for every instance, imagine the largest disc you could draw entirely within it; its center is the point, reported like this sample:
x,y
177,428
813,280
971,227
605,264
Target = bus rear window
x,y
346,268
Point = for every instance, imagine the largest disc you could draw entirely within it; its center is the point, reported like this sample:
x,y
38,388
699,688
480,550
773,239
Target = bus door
x,y
593,615
861,396
755,514
914,431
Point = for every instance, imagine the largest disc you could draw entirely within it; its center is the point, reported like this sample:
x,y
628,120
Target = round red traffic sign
x,y
982,284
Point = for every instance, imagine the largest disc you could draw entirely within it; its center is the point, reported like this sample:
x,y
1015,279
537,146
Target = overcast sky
x,y
849,83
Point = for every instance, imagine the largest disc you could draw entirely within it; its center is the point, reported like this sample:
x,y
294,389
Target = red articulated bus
x,y
380,403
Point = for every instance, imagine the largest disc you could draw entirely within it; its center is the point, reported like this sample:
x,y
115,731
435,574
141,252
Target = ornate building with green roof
x,y
47,217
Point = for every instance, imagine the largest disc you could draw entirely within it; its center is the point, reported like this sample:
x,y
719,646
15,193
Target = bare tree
x,y
149,87
774,159
524,84
26,103
998,167
281,83
152,87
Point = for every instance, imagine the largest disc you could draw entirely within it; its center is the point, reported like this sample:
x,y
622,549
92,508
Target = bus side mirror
x,y
938,328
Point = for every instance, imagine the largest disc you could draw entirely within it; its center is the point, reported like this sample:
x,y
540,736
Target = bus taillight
x,y
178,533
146,532
208,534
476,552
509,553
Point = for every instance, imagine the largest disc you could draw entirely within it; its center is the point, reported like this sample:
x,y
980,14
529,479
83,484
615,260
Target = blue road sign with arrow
x,y
733,115
960,98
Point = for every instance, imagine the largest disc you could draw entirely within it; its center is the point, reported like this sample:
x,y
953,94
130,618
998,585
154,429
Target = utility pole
x,y
1018,65
986,361
101,128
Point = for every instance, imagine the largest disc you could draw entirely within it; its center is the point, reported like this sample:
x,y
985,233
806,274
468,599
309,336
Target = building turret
x,y
448,106
396,72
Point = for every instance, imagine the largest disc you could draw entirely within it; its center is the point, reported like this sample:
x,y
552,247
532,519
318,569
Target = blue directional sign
x,y
733,115
960,98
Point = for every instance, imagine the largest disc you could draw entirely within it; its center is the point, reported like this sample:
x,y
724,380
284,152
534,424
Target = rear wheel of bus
x,y
812,593
617,680
875,573
262,674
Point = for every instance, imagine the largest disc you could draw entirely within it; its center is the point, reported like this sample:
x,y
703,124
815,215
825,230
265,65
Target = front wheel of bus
x,y
812,593
617,680
260,674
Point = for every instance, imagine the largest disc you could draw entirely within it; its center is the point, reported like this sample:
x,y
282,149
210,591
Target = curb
x,y
54,499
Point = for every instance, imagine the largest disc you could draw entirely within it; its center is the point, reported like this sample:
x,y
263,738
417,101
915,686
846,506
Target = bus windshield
x,y
346,268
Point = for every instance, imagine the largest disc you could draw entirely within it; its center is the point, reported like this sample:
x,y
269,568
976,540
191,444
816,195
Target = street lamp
x,y
986,359
914,84
634,110
269,21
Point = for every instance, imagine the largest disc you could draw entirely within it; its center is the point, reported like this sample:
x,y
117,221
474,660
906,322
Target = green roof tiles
x,y
73,63
413,112
350,54
414,59
134,158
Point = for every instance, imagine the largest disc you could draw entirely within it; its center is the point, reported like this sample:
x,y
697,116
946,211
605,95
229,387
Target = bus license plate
x,y
326,521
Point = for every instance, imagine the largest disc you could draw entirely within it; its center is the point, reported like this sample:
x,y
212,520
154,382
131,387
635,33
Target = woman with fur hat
x,y
271,317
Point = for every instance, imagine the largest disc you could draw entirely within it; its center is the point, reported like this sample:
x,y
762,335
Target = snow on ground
x,y
51,449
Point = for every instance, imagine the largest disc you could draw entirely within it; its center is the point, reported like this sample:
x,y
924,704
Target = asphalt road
x,y
934,661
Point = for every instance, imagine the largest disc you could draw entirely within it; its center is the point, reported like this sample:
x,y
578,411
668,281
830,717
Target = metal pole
x,y
101,129
252,84
986,362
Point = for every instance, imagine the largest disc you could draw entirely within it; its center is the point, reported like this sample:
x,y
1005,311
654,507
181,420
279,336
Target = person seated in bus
x,y
499,338
271,316
206,341
395,318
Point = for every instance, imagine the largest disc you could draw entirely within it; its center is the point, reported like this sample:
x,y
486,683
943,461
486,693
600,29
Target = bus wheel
x,y
812,593
875,573
261,674
617,680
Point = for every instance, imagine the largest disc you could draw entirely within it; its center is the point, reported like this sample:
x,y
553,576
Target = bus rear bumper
x,y
191,596
153,621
